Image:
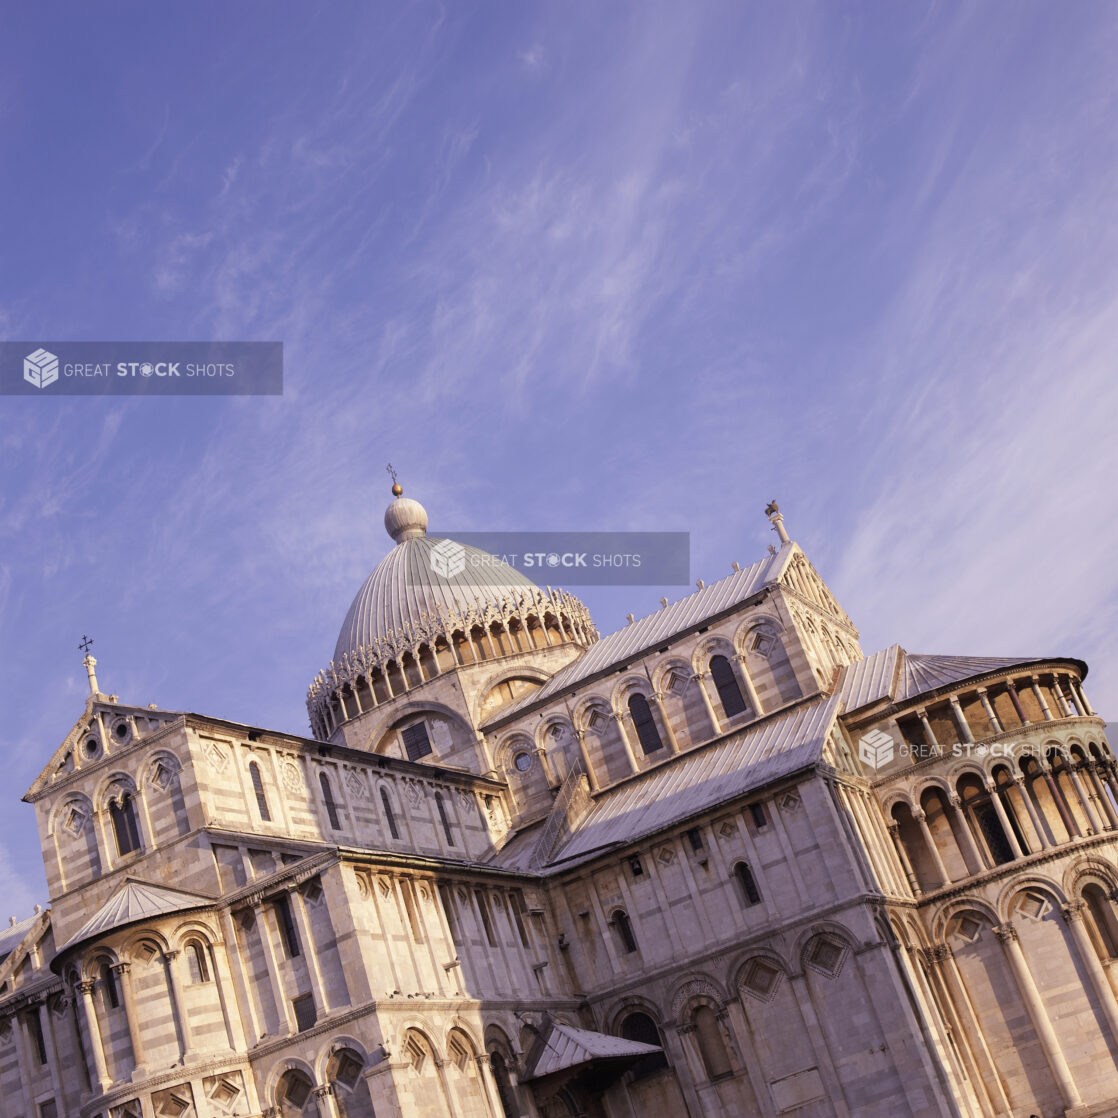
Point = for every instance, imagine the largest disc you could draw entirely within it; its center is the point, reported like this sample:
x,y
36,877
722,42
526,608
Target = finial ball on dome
x,y
405,519
397,489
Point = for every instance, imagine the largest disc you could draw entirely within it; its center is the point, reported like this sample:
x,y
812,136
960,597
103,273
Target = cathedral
x,y
719,863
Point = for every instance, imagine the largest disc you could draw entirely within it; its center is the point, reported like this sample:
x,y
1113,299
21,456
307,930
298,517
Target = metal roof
x,y
565,1047
136,900
12,936
404,592
926,673
660,626
694,782
901,676
869,680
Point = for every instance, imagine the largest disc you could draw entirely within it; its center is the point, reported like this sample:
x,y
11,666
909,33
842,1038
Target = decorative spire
x,y
772,511
89,663
397,488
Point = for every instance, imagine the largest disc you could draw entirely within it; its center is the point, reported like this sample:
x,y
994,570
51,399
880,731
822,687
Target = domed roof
x,y
406,594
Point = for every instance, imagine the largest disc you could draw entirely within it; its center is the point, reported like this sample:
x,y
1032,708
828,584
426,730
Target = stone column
x,y
234,1027
123,972
1003,819
1061,698
621,718
751,695
1073,917
669,733
1097,827
1100,794
922,714
700,678
580,737
972,1035
89,1016
1034,1003
988,707
902,854
961,719
926,831
178,1007
1015,699
1061,806
1047,711
325,1098
240,986
1033,812
972,849
267,942
678,1057
1081,695
51,1047
310,951
489,1084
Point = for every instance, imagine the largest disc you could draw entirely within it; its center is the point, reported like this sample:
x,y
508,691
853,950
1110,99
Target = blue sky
x,y
625,266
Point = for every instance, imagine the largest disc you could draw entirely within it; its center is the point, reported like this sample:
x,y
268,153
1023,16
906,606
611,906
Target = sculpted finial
x,y
89,663
772,511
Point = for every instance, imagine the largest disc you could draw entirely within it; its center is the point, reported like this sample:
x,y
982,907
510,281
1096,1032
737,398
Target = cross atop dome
x,y
404,519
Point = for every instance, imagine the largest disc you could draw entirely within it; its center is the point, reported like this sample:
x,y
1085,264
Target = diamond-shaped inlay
x,y
789,802
825,955
760,979
1034,906
355,785
966,927
665,855
727,829
75,821
217,756
161,776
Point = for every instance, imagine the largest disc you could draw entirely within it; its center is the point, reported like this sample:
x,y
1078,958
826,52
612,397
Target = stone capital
x,y
1073,910
121,968
1006,933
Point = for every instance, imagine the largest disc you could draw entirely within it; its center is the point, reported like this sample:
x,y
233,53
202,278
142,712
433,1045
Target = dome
x,y
406,593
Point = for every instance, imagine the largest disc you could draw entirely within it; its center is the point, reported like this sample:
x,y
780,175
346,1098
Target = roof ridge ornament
x,y
89,663
772,511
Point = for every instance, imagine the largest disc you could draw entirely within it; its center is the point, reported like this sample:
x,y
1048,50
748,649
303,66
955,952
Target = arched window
x,y
126,829
750,894
196,964
505,1090
712,1047
1103,922
443,818
393,830
624,929
645,725
258,788
294,1090
328,800
640,1027
729,693
351,1091
109,991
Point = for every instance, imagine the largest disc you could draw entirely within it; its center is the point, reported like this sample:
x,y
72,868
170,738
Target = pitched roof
x,y
563,1047
657,627
12,936
896,674
693,782
136,900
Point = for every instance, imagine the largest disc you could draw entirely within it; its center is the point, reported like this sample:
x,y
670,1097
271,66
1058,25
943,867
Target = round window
x,y
92,747
523,762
